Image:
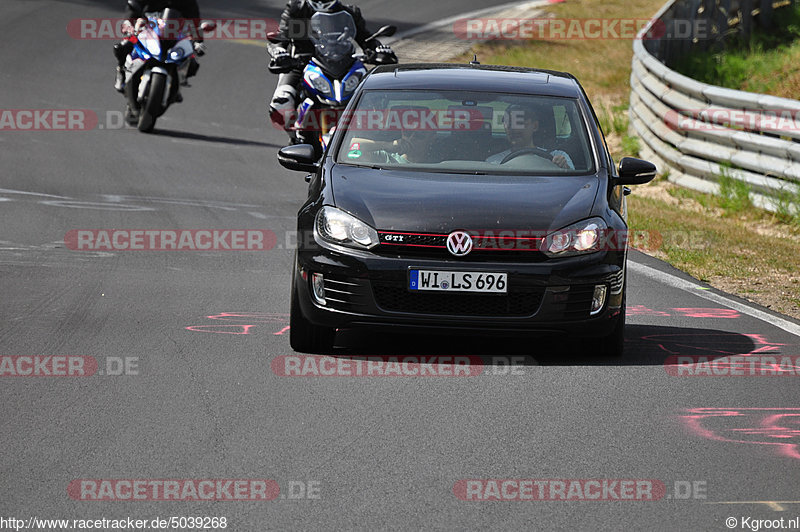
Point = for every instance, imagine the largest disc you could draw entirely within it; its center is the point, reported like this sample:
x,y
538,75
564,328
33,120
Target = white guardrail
x,y
697,132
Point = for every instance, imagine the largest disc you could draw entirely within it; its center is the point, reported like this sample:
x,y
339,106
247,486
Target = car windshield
x,y
465,132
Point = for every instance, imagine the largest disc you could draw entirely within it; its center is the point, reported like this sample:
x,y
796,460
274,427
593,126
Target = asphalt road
x,y
200,330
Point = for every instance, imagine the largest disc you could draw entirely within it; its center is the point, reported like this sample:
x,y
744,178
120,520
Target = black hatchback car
x,y
468,197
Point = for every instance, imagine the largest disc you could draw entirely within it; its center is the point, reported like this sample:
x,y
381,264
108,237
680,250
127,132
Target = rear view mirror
x,y
635,171
385,31
300,157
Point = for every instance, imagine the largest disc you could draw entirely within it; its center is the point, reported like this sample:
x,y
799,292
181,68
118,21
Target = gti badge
x,y
459,243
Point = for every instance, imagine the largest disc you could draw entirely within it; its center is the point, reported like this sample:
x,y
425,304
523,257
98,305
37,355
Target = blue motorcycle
x,y
330,75
163,58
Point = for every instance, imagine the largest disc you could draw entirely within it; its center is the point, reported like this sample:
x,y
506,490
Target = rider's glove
x,y
140,25
278,53
199,48
382,55
127,28
281,59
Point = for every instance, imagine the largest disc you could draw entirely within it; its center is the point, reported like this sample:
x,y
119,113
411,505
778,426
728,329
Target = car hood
x,y
392,200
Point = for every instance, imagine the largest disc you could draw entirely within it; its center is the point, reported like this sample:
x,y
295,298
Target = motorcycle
x,y
162,60
330,75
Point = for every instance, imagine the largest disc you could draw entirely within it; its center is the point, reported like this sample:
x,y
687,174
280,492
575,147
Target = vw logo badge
x,y
459,243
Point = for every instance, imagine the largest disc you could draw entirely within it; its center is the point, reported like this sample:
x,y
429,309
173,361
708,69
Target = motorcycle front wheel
x,y
151,108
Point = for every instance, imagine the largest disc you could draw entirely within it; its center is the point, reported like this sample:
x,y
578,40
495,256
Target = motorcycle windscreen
x,y
171,24
332,35
150,41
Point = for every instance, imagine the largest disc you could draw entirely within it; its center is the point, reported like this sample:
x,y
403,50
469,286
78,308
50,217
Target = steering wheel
x,y
539,152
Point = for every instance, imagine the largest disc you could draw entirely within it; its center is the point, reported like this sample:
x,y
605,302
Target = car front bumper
x,y
368,290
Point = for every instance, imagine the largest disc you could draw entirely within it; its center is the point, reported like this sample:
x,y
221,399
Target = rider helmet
x,y
322,5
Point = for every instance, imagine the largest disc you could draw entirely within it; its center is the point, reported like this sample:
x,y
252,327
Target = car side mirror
x,y
300,157
635,171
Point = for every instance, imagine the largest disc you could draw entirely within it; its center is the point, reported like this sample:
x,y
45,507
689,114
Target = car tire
x,y
613,345
304,336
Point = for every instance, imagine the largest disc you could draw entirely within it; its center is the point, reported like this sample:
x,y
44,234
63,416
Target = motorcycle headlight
x,y
338,227
176,54
322,85
351,83
577,239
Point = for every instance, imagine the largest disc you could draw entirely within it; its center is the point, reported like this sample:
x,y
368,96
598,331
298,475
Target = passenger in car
x,y
413,146
521,124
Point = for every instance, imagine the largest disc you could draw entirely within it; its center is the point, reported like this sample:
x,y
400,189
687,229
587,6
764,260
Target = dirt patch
x,y
768,290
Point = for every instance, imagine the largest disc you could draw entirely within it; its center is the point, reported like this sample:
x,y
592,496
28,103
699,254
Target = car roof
x,y
473,77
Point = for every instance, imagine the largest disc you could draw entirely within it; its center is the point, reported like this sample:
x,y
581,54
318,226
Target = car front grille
x,y
392,297
487,246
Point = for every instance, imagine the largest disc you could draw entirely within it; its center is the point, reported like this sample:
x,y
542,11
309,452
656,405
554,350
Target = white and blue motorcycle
x,y
330,75
163,58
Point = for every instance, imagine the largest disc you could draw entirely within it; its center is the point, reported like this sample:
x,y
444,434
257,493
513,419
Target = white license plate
x,y
446,281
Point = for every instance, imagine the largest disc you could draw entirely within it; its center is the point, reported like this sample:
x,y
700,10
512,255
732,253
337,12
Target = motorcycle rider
x,y
135,10
294,27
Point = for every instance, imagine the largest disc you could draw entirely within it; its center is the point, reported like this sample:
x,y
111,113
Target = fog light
x,y
598,299
318,287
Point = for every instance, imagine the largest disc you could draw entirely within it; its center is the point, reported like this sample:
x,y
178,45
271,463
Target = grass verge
x,y
768,63
747,252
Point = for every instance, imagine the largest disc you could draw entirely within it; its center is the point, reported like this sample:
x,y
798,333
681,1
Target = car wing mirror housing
x,y
635,171
300,157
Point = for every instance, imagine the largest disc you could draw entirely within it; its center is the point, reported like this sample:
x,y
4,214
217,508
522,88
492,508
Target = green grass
x,y
768,63
613,119
788,206
734,194
724,251
630,146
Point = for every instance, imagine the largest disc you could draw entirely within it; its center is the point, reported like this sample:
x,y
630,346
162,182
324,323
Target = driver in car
x,y
521,124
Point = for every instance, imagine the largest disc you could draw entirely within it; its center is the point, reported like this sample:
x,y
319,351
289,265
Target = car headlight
x,y
577,239
337,227
351,83
322,85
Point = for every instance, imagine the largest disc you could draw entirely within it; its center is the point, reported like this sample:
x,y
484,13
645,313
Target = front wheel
x,y
152,106
304,336
613,345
